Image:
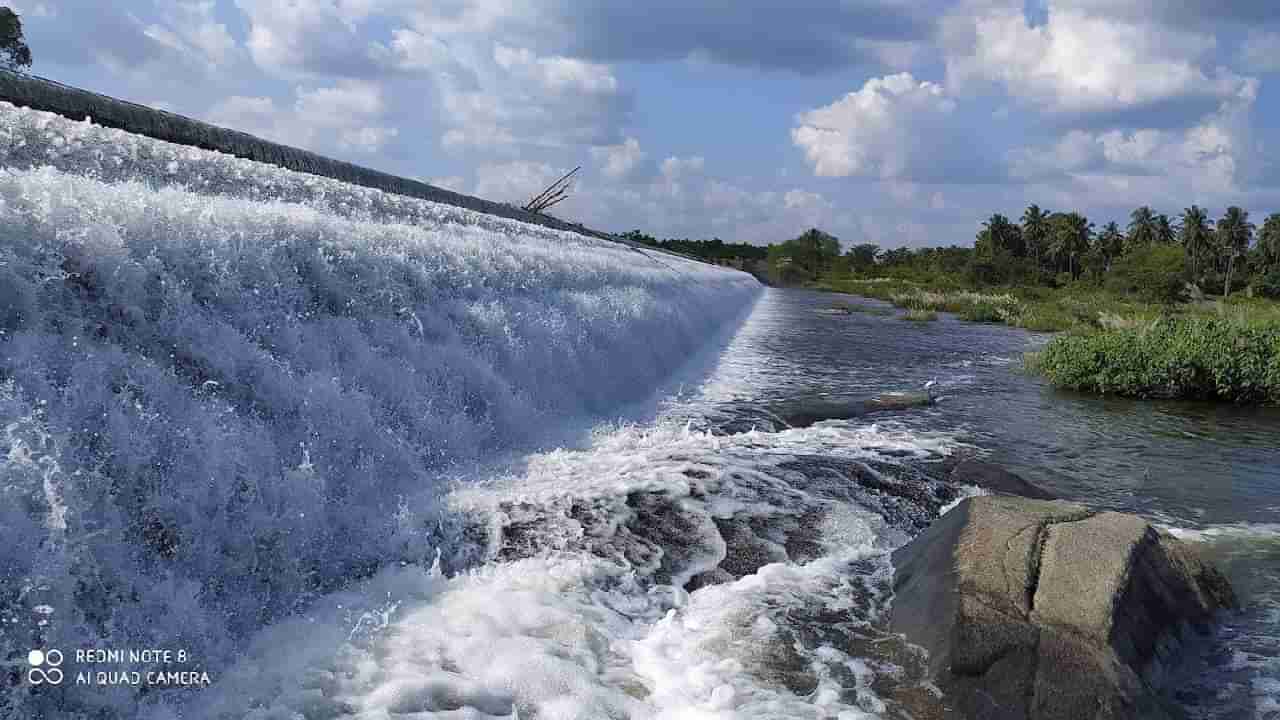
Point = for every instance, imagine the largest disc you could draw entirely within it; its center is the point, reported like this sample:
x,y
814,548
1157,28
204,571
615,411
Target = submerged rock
x,y
803,412
990,476
1039,609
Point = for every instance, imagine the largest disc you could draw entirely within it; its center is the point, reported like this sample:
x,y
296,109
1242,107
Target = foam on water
x,y
227,390
579,611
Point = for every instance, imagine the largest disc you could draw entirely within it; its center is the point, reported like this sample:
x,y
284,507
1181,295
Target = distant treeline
x,y
1153,255
713,249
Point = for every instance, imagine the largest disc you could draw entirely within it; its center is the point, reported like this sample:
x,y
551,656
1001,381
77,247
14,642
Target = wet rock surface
x,y
1038,609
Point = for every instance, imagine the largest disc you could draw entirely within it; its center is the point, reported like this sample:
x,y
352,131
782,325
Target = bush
x,y
921,316
1204,358
1156,273
1268,286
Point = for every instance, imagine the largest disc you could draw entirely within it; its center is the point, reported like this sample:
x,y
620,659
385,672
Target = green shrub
x,y
1156,273
920,316
1205,358
1268,286
985,312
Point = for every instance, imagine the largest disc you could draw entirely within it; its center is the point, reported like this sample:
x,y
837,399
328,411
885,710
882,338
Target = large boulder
x,y
1047,609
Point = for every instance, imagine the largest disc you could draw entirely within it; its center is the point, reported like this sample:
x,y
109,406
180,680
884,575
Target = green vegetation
x,y
920,316
14,53
1161,307
1135,300
1206,358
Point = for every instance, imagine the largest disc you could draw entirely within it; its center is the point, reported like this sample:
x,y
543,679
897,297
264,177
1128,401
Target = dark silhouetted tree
x,y
14,53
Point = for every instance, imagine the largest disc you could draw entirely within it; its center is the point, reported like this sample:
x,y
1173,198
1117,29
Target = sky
x,y
896,122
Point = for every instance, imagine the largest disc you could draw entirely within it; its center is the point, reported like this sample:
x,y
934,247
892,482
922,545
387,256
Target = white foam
x,y
238,393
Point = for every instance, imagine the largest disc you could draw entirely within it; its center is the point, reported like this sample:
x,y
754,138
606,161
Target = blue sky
x,y
900,122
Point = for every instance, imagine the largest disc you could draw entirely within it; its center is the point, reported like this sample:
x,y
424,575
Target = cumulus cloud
x,y
893,128
516,182
819,35
299,38
1079,61
619,162
344,116
190,29
1215,156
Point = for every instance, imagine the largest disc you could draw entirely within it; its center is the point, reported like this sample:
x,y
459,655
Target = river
x,y
686,566
365,456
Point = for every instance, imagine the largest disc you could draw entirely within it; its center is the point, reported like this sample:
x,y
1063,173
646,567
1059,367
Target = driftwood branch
x,y
555,192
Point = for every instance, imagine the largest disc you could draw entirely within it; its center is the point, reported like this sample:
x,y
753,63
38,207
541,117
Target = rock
x,y
990,476
1191,292
1034,609
803,412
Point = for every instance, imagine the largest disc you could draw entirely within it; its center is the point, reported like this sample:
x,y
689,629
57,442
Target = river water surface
x,y
1208,472
707,563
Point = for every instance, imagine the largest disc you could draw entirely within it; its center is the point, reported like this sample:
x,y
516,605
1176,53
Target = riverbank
x,y
1114,344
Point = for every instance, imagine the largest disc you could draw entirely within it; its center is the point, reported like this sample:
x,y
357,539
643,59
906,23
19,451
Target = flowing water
x,y
364,456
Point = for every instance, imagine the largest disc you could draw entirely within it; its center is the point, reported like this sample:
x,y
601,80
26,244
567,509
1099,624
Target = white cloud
x,y
1216,155
1078,61
345,104
257,116
345,116
189,29
619,161
298,38
515,182
895,127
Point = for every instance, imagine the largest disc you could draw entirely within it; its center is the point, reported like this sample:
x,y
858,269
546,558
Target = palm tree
x,y
999,236
1035,232
1196,235
1142,228
1165,232
1235,232
1111,244
1070,239
1269,241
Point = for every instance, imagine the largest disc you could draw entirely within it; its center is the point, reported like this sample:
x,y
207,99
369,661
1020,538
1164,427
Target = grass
x,y
1213,358
1115,344
920,316
1036,309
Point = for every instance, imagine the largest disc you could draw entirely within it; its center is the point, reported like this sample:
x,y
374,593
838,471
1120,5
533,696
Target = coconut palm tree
x,y
1235,233
1196,235
1035,232
1269,241
1070,239
1165,232
1142,228
1111,244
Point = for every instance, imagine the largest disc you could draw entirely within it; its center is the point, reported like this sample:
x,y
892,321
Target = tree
x,y
1235,232
1165,232
1069,239
1269,242
862,257
14,53
999,236
1035,232
1196,236
1142,228
1111,244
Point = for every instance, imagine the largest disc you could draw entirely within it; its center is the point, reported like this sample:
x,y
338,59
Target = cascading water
x,y
227,389
364,456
